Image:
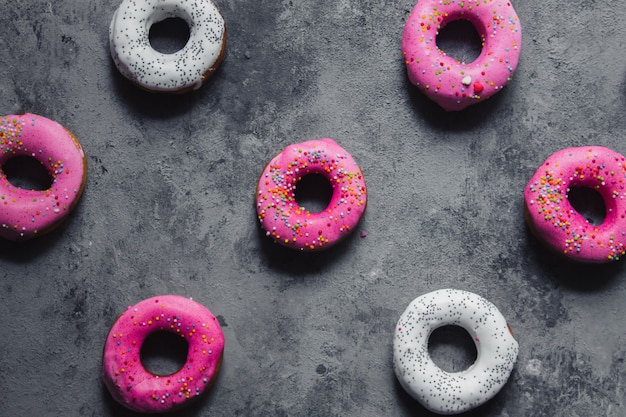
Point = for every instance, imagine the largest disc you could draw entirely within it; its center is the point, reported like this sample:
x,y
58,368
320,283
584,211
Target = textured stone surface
x,y
169,208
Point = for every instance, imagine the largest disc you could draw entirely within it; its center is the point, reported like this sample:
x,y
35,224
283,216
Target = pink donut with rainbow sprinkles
x,y
554,221
452,84
29,213
292,225
140,390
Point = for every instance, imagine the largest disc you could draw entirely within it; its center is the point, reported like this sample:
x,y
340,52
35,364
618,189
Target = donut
x,y
452,84
551,217
453,392
136,388
294,226
29,213
180,72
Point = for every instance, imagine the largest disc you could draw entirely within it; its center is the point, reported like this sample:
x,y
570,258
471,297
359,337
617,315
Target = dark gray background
x,y
169,208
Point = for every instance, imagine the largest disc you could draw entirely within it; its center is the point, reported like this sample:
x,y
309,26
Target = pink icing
x,y
292,225
27,213
553,219
452,84
138,389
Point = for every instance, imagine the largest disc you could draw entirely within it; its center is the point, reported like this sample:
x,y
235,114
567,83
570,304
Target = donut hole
x,y
27,173
170,35
164,353
588,203
460,40
451,348
313,193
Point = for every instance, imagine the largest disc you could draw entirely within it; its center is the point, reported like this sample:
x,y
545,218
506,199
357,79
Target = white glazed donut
x,y
181,71
444,392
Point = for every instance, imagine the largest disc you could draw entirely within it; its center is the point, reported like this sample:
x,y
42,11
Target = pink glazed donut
x,y
553,220
452,84
292,225
28,213
135,387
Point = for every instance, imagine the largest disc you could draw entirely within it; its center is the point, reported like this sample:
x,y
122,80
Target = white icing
x,y
453,392
138,61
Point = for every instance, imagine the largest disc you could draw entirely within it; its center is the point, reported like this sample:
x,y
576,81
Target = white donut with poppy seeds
x,y
453,392
179,72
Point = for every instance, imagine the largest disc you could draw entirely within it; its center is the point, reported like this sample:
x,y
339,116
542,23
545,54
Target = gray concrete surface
x,y
169,208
